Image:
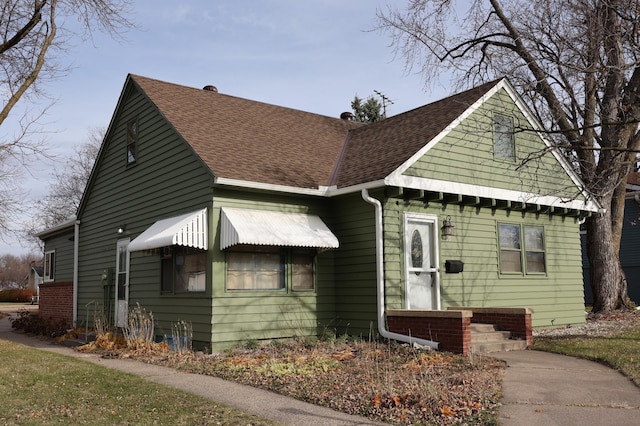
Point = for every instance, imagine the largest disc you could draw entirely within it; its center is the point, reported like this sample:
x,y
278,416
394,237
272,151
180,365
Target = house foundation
x,y
452,328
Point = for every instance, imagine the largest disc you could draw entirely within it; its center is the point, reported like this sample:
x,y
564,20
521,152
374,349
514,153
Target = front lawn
x,y
620,351
39,387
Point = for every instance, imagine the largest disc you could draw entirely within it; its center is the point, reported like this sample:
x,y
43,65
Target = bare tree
x,y
15,269
576,63
31,44
65,192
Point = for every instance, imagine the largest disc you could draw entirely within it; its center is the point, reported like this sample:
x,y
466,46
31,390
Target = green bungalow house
x,y
253,221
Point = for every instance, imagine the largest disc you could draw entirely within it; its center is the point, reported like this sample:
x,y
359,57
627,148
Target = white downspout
x,y
382,323
76,243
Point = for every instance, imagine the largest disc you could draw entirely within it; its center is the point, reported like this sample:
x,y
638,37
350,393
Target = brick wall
x,y
452,329
56,301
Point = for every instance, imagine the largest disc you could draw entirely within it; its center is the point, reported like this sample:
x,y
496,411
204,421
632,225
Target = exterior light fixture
x,y
447,228
121,229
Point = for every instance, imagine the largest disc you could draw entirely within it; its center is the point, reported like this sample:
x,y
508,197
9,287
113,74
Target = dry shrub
x,y
182,335
140,331
137,336
17,295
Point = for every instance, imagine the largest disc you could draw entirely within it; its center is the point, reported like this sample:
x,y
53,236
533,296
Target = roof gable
x,y
375,151
385,151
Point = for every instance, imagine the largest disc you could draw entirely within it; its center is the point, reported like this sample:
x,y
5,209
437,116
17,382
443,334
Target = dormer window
x,y
132,140
503,138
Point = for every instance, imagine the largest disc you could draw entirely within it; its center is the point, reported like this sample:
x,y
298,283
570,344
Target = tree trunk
x,y
607,280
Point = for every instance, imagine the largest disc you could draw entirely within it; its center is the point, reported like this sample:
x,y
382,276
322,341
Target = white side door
x,y
122,283
422,273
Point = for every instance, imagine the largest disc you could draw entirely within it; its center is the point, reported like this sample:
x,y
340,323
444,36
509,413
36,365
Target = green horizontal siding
x,y
466,155
355,265
258,315
62,244
556,296
166,180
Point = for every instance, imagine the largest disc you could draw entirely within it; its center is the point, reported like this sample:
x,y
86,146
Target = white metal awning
x,y
260,227
188,230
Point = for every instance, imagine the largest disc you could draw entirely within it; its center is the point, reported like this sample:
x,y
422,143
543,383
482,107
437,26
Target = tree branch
x,y
33,75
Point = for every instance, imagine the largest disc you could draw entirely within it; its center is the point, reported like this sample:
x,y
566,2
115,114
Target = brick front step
x,y
455,329
507,345
490,337
485,338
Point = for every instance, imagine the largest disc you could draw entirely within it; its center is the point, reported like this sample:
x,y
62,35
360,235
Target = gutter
x,y
76,244
382,323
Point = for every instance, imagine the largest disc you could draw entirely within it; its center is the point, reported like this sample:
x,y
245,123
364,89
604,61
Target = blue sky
x,y
312,55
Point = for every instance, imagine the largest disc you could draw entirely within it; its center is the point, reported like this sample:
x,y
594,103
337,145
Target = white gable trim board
x,y
415,157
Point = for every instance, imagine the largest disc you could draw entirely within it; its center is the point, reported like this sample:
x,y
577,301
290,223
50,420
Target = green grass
x,y
39,387
621,351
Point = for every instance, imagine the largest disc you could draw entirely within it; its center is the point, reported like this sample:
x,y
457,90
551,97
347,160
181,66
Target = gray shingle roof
x,y
248,140
257,142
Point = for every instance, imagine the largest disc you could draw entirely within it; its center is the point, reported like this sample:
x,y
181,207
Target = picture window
x,y
270,268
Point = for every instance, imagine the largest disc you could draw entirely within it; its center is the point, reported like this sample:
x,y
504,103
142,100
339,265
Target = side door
x,y
422,273
122,283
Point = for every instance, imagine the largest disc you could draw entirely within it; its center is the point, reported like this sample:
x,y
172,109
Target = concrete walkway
x,y
539,388
268,405
547,389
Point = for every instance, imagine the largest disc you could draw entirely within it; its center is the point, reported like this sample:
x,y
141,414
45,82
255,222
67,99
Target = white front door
x,y
122,283
422,274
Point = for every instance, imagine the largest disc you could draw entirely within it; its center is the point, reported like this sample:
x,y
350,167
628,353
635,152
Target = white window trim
x,y
49,266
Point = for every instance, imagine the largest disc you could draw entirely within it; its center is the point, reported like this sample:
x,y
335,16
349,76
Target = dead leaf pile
x,y
387,382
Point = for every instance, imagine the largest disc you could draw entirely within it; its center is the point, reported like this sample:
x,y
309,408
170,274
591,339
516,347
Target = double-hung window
x,y
503,137
270,268
522,249
132,141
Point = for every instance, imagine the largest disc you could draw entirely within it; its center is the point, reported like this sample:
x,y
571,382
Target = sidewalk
x,y
542,388
269,405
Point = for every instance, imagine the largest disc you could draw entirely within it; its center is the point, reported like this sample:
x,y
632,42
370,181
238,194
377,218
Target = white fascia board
x,y
321,191
60,227
415,157
334,190
489,192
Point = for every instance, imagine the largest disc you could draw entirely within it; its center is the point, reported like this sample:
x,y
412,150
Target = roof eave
x,y
58,228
